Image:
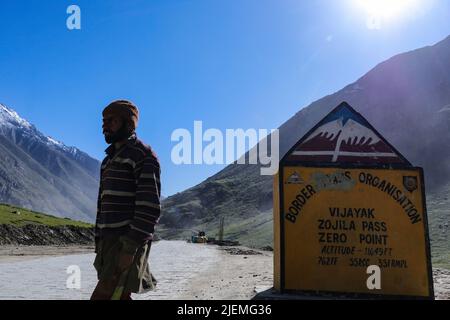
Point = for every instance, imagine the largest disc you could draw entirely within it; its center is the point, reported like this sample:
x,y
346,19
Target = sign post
x,y
350,215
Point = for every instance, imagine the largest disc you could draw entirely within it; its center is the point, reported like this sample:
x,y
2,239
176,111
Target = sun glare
x,y
380,12
386,8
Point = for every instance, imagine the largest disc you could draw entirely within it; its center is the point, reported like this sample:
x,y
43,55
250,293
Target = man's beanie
x,y
125,109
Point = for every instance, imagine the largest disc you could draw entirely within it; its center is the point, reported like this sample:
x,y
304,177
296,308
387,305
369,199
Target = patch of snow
x,y
10,117
72,150
53,141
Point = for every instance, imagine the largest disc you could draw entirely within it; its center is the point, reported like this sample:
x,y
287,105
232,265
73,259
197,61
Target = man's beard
x,y
121,134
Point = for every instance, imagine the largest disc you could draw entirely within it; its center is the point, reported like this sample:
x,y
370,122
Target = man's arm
x,y
147,204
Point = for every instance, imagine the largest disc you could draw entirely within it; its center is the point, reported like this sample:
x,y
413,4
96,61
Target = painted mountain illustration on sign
x,y
345,136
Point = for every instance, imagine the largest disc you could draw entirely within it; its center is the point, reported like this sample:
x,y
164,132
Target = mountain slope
x,y
42,174
406,98
19,226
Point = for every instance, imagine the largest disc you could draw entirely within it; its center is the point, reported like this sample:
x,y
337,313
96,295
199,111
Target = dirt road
x,y
184,271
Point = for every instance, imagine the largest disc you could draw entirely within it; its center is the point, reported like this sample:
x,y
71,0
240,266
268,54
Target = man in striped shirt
x,y
128,207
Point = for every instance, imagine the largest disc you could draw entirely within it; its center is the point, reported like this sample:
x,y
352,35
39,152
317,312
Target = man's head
x,y
120,120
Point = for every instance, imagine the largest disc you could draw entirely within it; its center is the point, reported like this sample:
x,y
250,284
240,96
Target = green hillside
x,y
438,204
19,217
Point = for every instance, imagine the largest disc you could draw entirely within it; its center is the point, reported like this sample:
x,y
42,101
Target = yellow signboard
x,y
350,215
338,222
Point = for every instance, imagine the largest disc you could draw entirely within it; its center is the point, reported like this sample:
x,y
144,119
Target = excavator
x,y
200,237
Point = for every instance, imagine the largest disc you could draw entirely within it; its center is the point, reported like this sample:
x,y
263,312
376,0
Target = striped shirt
x,y
129,194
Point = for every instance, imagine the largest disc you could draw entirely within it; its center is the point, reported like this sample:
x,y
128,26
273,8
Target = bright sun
x,y
386,8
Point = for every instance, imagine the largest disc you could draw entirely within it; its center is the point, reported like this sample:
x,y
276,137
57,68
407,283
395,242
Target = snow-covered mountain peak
x,y
9,117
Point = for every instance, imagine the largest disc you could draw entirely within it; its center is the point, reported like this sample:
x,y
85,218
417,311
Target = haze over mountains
x,y
406,98
40,173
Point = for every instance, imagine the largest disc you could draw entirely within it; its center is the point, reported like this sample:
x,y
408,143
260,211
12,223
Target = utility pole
x,y
221,229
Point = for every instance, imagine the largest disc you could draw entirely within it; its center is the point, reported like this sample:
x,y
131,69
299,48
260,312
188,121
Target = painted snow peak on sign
x,y
344,136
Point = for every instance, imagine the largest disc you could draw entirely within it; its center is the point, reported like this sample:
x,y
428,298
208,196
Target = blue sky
x,y
232,64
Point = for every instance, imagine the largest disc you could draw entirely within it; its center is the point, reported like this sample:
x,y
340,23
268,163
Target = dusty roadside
x,y
239,274
10,253
441,284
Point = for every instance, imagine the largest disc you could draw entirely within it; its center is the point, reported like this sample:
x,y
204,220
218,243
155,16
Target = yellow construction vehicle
x,y
200,237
